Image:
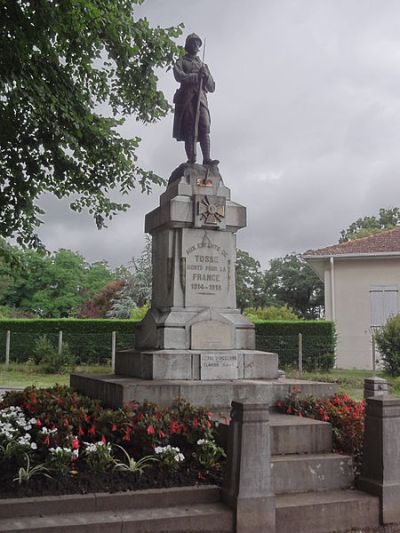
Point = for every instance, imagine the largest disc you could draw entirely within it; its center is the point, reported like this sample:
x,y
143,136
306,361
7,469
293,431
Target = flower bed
x,y
55,441
346,416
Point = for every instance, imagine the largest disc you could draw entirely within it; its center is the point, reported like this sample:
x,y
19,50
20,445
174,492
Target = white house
x,y
362,280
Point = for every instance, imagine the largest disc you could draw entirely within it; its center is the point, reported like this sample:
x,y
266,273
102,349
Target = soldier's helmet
x,y
193,37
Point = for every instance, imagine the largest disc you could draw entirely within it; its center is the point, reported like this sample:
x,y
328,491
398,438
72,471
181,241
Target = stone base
x,y
196,329
197,364
116,391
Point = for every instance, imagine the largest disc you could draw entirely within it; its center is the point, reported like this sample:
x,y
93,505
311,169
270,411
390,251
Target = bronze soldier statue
x,y
192,116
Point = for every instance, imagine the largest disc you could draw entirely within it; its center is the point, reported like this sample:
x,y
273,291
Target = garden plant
x,y
346,416
55,441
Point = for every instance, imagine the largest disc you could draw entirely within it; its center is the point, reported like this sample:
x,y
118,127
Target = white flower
x,y
200,442
33,445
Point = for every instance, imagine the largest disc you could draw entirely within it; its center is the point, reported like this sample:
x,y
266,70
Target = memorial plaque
x,y
219,365
210,260
212,335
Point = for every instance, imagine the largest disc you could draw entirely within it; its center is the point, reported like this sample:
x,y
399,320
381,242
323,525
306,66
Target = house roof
x,y
384,242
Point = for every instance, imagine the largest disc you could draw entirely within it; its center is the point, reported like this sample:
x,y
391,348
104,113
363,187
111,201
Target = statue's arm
x,y
183,77
209,83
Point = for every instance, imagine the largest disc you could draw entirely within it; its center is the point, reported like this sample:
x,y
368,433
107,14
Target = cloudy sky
x,y
305,122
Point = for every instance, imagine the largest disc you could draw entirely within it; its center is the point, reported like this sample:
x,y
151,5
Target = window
x,y
384,303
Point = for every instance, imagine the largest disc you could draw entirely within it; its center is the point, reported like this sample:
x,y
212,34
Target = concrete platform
x,y
115,390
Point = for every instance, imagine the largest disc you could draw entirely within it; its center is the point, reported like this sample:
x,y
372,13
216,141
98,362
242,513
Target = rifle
x,y
197,116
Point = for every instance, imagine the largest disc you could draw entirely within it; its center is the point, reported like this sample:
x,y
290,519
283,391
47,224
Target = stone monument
x,y
193,342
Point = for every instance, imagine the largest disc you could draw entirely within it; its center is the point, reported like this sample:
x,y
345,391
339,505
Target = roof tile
x,y
384,241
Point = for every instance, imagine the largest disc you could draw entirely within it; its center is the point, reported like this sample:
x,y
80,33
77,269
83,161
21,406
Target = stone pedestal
x,y
193,330
248,480
193,342
380,474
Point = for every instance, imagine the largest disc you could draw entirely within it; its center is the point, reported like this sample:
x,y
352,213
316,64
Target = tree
x,y
388,219
249,291
290,281
136,291
59,61
102,302
51,285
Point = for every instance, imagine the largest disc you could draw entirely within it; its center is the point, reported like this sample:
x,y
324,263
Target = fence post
x,y
113,349
60,342
300,353
8,343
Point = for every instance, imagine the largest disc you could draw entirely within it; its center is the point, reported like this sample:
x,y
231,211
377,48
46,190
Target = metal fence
x,y
305,352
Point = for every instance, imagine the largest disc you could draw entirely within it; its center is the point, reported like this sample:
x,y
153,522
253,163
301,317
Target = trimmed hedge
x,y
90,340
282,337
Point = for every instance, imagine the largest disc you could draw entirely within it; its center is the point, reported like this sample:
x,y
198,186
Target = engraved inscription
x,y
219,366
206,268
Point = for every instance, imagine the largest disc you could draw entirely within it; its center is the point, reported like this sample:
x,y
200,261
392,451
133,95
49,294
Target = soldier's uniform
x,y
186,72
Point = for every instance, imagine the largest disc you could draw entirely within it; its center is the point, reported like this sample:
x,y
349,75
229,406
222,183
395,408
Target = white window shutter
x,y
384,301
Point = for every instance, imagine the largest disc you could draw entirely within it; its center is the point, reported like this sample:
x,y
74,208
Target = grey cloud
x,y
305,121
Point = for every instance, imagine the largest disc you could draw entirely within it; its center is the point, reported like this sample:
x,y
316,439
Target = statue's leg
x,y
204,137
205,147
189,148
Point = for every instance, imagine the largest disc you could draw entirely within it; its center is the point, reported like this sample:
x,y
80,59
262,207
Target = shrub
x,y
48,358
388,343
272,312
345,415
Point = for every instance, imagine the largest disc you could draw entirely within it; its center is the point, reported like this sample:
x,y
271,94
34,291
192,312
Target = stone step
x,y
296,434
115,390
205,518
326,512
102,501
315,472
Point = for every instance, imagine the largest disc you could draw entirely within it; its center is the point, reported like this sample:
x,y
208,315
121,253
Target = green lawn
x,y
349,382
23,375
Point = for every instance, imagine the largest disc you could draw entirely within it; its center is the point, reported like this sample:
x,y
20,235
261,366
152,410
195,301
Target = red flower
x,y
38,423
92,431
127,436
46,440
114,427
195,423
75,444
175,427
150,430
161,434
81,432
103,439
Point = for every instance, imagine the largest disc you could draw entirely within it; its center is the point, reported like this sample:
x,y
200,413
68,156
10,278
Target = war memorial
x,y
195,344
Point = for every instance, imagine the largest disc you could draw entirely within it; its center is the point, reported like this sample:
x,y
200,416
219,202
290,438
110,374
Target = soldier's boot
x,y
205,148
190,152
